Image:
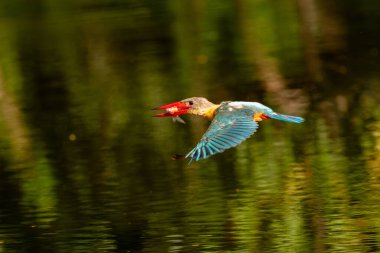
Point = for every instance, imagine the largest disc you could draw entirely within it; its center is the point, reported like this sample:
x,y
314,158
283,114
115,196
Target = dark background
x,y
85,168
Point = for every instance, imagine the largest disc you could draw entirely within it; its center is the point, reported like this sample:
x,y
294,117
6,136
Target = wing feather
x,y
227,130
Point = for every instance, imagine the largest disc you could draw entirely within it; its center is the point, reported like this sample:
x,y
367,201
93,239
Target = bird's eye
x,y
191,102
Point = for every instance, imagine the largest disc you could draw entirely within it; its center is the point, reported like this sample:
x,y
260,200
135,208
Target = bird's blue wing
x,y
227,130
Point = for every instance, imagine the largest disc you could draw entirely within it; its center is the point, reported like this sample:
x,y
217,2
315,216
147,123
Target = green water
x,y
85,168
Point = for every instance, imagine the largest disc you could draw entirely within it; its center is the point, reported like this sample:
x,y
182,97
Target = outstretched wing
x,y
227,130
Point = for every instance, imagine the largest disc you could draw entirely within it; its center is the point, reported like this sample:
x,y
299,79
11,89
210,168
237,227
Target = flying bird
x,y
231,122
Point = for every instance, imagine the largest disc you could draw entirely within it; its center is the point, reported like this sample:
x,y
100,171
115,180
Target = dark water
x,y
85,168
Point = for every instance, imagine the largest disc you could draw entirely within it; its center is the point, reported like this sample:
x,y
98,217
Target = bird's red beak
x,y
173,109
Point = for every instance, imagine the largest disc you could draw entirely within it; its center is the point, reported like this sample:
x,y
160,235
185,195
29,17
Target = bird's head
x,y
194,105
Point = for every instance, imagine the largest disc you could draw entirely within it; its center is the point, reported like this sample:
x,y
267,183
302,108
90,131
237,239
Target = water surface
x,y
85,168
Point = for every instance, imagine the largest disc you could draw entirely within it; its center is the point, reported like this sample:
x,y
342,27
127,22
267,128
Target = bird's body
x,y
231,122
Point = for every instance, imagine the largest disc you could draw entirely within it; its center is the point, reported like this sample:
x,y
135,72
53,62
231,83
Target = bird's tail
x,y
287,118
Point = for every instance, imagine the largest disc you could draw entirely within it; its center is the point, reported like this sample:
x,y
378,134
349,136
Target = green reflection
x,y
84,167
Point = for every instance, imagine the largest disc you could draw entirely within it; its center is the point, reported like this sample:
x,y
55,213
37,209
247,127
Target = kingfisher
x,y
232,122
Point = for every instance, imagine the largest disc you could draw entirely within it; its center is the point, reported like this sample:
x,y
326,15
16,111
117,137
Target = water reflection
x,y
84,167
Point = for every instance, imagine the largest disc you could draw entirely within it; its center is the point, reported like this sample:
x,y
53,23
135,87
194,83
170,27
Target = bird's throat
x,y
208,112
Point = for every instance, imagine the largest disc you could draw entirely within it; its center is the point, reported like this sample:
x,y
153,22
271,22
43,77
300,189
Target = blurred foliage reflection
x,y
84,167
